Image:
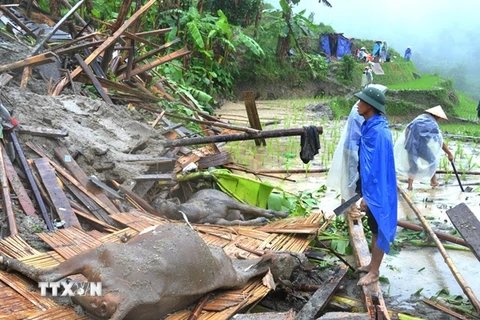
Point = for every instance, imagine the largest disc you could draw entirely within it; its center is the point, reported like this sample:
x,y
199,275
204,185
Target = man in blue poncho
x,y
343,172
377,183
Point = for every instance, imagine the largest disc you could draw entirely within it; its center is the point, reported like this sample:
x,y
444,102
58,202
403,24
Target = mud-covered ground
x,y
415,272
99,134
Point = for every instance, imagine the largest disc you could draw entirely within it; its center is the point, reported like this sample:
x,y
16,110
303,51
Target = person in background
x,y
369,75
377,183
417,149
364,77
478,111
362,54
408,54
383,51
376,51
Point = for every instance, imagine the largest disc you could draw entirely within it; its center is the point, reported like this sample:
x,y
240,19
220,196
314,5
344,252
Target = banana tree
x,y
293,25
216,46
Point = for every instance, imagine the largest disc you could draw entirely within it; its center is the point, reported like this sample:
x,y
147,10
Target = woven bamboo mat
x,y
246,242
16,247
69,242
19,297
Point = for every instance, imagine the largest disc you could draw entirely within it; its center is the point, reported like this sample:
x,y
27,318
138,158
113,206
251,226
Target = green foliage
x,y
240,13
347,68
216,47
337,233
341,106
456,302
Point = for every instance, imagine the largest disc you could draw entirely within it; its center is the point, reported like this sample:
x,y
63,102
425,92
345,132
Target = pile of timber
x,y
119,63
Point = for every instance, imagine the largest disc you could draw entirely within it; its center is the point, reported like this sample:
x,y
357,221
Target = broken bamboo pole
x,y
256,173
108,42
41,42
465,287
440,235
237,137
31,180
280,171
6,199
473,173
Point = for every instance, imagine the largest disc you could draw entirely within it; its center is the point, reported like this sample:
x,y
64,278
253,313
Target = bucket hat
x,y
374,97
438,112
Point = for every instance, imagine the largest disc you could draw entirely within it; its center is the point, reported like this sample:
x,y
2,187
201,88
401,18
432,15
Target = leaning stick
x,y
465,287
7,201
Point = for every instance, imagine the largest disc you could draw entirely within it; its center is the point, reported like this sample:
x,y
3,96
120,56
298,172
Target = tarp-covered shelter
x,y
335,44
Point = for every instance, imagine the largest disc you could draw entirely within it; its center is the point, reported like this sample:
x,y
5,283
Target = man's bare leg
x,y
433,181
410,184
373,268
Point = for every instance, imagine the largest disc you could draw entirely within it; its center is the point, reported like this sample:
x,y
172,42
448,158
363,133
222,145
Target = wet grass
x,y
426,82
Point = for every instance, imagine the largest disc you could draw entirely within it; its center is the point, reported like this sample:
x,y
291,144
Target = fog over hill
x,y
442,34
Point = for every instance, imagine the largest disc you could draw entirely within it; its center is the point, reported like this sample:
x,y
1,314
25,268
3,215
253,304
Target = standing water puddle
x,y
414,268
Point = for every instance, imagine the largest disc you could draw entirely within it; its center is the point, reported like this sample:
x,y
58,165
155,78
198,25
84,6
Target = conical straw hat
x,y
437,111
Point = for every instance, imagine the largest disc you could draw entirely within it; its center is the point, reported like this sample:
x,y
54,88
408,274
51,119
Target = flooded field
x,y
414,269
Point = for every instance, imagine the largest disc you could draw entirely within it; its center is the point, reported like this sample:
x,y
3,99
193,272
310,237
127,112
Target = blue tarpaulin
x,y
335,45
325,44
344,46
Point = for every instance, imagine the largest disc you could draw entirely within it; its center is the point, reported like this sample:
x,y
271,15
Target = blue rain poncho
x,y
417,149
378,180
343,172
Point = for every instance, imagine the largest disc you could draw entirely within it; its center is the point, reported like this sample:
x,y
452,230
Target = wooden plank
x,y
68,162
18,188
42,132
375,304
252,113
19,22
467,225
6,200
94,208
4,79
94,80
214,160
40,59
57,196
31,179
27,72
110,40
321,297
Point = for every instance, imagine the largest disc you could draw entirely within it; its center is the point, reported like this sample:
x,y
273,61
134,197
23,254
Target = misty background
x,y
443,34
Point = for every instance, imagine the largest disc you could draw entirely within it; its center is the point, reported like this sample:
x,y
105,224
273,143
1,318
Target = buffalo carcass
x,y
156,273
215,207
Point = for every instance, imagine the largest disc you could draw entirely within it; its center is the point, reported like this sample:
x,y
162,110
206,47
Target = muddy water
x,y
414,268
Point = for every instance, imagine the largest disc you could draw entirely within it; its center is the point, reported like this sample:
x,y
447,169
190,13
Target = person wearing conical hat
x,y
417,150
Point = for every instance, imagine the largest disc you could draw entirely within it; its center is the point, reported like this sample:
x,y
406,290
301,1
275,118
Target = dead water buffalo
x,y
215,207
156,273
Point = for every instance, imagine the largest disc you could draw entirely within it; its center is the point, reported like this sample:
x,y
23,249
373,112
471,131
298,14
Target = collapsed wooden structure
x,y
60,185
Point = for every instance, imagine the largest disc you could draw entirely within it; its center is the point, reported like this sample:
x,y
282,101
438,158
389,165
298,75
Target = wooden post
x,y
252,113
